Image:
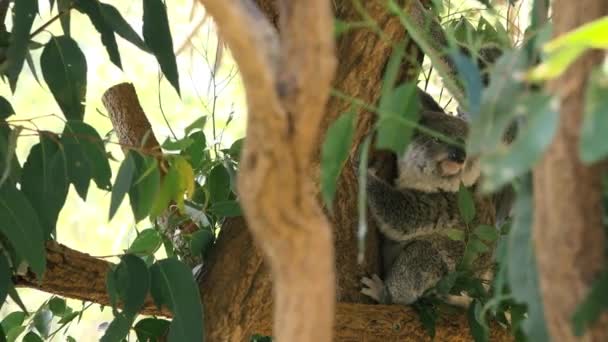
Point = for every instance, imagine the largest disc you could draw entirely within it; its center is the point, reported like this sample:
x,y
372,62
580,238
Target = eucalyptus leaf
x,y
157,36
132,283
64,68
122,184
226,209
466,204
118,329
44,181
218,183
201,241
146,243
19,223
5,278
594,304
57,306
145,185
24,13
32,337
399,114
151,329
121,26
6,109
173,281
334,153
86,157
93,9
592,146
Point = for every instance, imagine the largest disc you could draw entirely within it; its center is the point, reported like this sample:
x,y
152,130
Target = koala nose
x,y
456,154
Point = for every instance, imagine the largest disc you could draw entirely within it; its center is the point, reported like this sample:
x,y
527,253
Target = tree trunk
x,y
568,232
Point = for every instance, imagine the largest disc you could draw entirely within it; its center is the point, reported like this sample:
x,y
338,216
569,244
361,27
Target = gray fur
x,y
414,214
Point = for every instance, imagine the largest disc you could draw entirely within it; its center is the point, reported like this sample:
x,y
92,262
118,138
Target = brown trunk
x,y
568,232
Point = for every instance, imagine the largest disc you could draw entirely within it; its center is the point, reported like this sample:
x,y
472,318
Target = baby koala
x,y
414,214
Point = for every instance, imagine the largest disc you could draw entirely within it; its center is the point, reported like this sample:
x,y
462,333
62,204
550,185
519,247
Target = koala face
x,y
432,165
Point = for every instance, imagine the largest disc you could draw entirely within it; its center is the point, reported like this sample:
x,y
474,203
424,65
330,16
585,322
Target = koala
x,y
414,213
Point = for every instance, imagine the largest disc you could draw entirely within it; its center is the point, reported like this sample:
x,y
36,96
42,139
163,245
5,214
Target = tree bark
x,y
77,275
568,232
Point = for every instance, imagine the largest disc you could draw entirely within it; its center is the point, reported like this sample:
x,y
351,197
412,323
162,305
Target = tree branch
x,y
275,186
568,233
77,275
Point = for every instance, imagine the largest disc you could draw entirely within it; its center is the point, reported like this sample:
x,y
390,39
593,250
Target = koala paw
x,y
373,287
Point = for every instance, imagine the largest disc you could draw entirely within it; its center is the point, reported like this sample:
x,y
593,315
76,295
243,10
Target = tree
x,y
290,65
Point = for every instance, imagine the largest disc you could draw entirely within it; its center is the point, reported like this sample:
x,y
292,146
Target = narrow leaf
x,y
121,26
5,278
64,69
595,123
218,183
21,226
145,185
122,184
201,241
157,36
146,243
226,209
92,8
24,12
181,294
151,329
466,205
334,153
132,283
399,112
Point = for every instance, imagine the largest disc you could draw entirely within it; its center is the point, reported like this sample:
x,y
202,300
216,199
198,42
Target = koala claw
x,y
373,287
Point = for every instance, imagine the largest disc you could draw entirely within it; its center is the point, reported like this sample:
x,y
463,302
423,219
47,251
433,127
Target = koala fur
x,y
414,213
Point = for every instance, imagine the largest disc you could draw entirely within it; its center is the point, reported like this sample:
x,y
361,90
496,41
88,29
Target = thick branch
x,y
568,232
74,274
275,185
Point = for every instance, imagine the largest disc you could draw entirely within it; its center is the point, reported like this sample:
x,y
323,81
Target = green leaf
x,y
565,49
65,6
14,319
469,71
523,276
64,68
5,278
92,8
472,251
454,234
177,145
427,315
486,232
201,241
235,149
6,109
24,12
86,157
466,204
497,111
42,321
146,243
121,26
122,184
32,337
168,188
69,317
196,124
594,304
9,164
132,283
218,183
111,287
399,113
393,67
145,185
226,209
12,334
196,151
44,181
57,306
151,329
118,329
180,293
592,146
21,226
476,324
12,292
157,36
532,140
334,153
444,286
